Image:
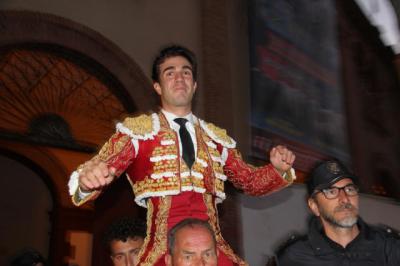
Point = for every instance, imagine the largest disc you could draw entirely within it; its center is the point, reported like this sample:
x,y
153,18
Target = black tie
x,y
187,144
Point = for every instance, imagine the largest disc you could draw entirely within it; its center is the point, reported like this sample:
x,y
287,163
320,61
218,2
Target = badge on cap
x,y
333,167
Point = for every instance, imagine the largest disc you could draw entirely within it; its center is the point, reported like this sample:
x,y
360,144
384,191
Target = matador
x,y
152,151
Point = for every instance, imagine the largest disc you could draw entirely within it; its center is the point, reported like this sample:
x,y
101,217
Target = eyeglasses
x,y
333,192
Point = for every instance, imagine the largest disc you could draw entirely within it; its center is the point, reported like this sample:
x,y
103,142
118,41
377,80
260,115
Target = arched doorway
x,y
62,87
23,225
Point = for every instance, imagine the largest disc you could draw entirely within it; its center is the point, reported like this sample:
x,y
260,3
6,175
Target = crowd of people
x,y
337,234
177,164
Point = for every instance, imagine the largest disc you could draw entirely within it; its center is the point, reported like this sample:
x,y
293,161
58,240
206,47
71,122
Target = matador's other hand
x,y
95,175
282,158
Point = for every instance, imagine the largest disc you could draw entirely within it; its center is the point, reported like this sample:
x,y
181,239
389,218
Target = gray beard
x,y
347,222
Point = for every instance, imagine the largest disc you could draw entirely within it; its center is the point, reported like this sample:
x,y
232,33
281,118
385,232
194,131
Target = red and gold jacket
x,y
147,149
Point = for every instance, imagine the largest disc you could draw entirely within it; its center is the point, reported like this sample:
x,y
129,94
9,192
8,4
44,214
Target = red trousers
x,y
165,212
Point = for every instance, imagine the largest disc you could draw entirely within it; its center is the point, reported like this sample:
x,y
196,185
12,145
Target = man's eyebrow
x,y
333,186
173,67
118,253
207,250
187,67
187,252
168,68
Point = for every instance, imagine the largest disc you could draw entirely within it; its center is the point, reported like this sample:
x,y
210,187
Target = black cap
x,y
327,173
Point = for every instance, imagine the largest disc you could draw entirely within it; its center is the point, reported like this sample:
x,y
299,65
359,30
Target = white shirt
x,y
189,126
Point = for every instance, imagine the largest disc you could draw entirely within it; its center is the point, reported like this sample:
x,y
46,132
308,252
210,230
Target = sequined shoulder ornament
x,y
217,134
141,127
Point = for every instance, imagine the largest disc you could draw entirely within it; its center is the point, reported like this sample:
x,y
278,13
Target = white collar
x,y
170,117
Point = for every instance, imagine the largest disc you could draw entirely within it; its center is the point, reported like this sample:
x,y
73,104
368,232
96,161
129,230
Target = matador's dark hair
x,y
123,229
190,222
172,51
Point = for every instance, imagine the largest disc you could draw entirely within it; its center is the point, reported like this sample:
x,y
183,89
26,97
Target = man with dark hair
x,y
191,242
337,235
173,51
177,163
29,257
124,239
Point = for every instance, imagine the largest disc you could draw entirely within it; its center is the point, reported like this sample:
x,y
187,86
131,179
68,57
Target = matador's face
x,y
176,86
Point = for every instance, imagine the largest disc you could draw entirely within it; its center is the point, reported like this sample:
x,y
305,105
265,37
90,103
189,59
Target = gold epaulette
x,y
141,127
217,134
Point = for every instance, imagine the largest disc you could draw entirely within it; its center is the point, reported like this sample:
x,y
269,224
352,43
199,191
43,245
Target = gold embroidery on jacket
x,y
221,243
219,134
170,175
168,165
150,210
160,234
139,125
112,147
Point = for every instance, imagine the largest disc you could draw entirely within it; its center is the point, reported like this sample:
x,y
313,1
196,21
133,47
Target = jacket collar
x,y
322,245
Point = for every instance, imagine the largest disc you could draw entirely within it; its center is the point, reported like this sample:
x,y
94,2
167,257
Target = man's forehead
x,y
193,230
174,61
343,182
124,246
192,234
195,250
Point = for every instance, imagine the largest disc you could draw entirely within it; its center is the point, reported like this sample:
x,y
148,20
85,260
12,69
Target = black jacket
x,y
371,247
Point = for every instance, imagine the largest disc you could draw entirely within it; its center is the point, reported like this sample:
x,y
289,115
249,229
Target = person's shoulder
x,y
217,134
385,231
297,251
144,126
294,244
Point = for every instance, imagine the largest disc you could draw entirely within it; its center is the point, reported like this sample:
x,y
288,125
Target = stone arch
x,y
25,27
34,200
30,35
42,57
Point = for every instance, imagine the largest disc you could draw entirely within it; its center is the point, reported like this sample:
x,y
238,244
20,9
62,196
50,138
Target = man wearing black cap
x,y
337,235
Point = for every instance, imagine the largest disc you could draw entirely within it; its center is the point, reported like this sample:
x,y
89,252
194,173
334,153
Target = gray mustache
x,y
346,206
